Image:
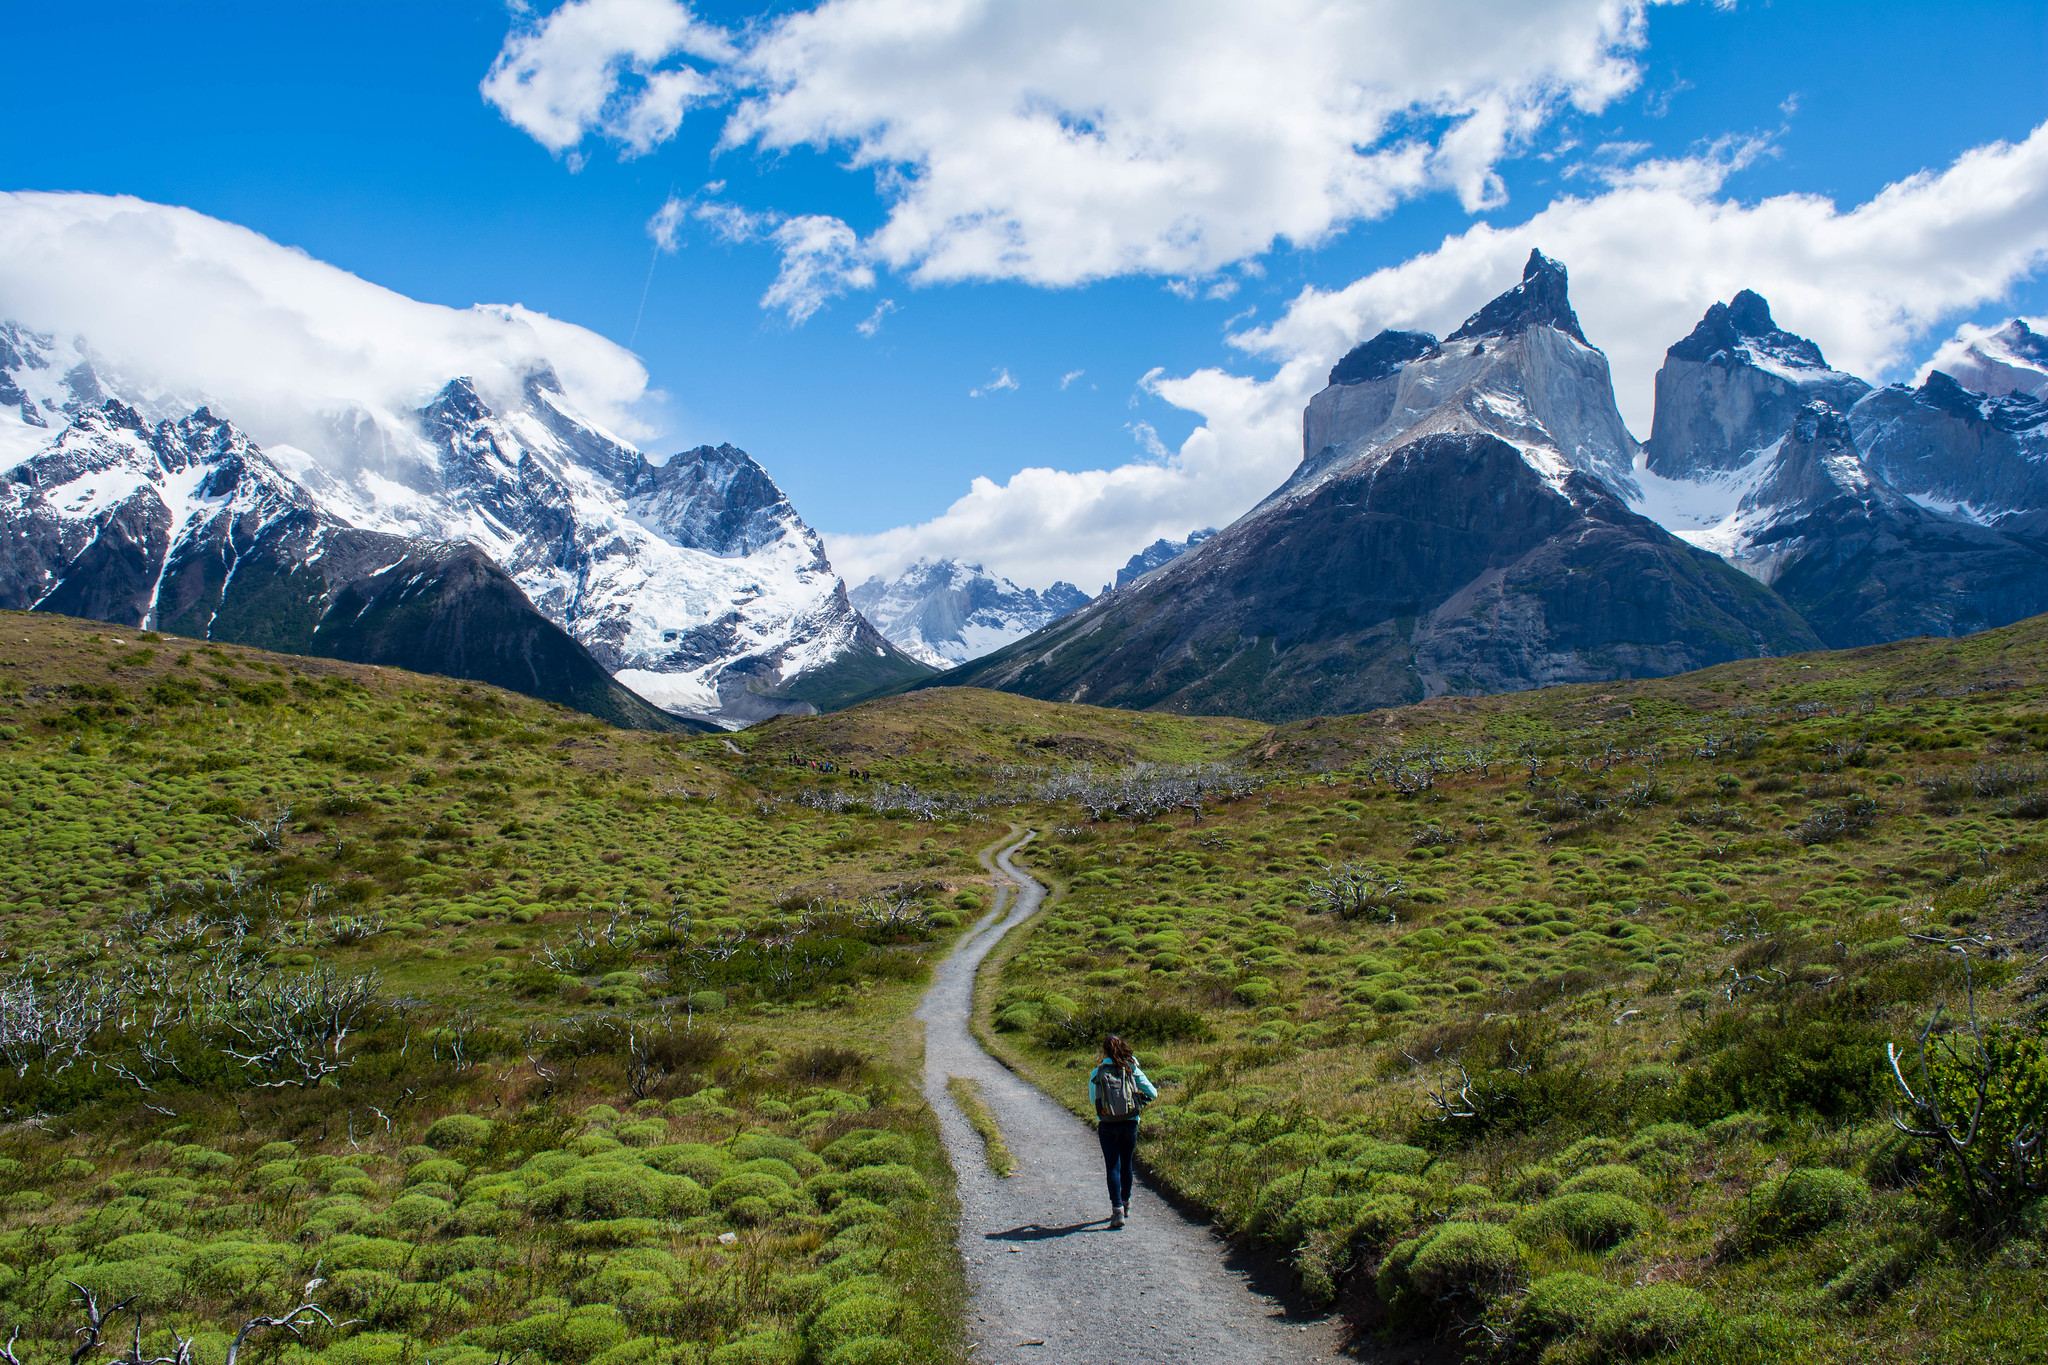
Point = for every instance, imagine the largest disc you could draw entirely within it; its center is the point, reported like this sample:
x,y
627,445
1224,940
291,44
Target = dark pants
x,y
1119,1148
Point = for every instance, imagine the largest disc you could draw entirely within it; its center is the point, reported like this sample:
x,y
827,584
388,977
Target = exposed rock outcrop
x,y
1733,386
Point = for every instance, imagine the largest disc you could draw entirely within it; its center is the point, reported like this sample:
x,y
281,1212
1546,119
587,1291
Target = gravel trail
x,y
1050,1281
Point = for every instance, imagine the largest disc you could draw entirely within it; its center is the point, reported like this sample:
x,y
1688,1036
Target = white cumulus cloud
x,y
190,305
1057,144
1869,283
613,66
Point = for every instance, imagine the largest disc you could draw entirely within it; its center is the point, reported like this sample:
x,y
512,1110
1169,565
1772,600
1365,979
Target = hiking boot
x,y
1116,1218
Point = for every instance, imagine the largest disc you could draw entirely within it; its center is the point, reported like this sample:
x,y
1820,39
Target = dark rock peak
x,y
1819,423
113,415
1380,357
1731,333
2014,412
1542,299
21,349
738,477
2023,340
540,381
1062,597
1751,314
199,436
86,391
457,404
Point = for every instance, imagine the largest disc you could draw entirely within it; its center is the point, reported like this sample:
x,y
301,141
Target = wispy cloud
x,y
1069,377
1002,380
872,324
821,257
1148,440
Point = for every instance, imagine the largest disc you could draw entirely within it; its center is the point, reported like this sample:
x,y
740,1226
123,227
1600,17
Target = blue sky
x,y
357,133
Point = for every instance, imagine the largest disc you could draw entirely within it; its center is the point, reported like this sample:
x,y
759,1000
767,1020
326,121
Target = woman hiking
x,y
1119,1091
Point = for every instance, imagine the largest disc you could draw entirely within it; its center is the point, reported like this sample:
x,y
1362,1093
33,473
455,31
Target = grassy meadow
x,y
528,1038
1554,1026
1544,1027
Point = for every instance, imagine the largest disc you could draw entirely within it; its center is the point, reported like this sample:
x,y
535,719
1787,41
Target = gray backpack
x,y
1116,1094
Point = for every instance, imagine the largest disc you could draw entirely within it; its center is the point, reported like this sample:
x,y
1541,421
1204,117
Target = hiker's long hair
x,y
1119,1052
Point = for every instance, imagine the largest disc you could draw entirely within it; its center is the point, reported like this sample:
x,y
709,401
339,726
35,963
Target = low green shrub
x,y
1651,1320
1626,1181
1800,1203
1452,1262
458,1130
1562,1305
1589,1221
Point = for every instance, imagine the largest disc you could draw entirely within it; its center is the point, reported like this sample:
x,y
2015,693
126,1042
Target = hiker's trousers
x,y
1119,1149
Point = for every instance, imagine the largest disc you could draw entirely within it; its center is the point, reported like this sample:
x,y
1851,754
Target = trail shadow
x,y
1036,1232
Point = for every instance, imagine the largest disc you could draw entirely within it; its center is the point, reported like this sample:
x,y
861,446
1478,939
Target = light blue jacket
x,y
1147,1091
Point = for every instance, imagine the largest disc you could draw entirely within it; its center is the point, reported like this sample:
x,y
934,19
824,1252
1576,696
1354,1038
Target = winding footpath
x,y
1050,1281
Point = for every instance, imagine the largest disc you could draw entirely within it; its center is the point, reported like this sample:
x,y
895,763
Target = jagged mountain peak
x,y
2012,358
1520,369
2015,412
1742,331
1381,356
1819,424
1542,299
457,402
1731,387
2024,339
1814,463
720,500
947,611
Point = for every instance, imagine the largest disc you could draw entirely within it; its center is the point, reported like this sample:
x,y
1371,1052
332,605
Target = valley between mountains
x,y
478,894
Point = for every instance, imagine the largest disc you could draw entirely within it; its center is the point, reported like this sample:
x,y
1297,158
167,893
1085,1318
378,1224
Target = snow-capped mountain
x,y
693,582
1876,513
1455,526
945,612
1864,562
1733,386
2008,359
1160,551
1965,454
189,528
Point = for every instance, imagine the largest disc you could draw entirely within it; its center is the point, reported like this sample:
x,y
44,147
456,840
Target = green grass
x,y
966,1092
1547,1026
1670,961
674,1007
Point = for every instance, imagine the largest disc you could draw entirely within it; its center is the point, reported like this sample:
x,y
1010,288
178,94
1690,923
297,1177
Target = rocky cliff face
x,y
1863,562
1975,456
1876,513
694,582
1453,527
1733,386
188,528
1519,368
945,612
